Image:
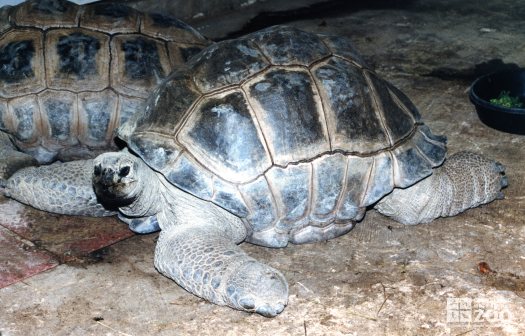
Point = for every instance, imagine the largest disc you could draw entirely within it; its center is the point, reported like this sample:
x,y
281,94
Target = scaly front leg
x,y
63,188
205,260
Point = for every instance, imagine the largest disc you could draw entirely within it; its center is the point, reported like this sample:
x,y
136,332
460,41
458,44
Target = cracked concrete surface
x,y
382,278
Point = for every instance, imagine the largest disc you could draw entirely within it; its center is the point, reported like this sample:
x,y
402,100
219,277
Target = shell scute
x,y
312,233
21,63
228,196
25,114
222,134
5,18
128,107
433,148
233,62
290,114
291,189
176,96
5,119
110,18
351,205
60,115
353,123
404,101
180,99
343,47
139,61
180,53
46,14
328,177
97,111
381,179
410,165
170,28
76,59
158,151
262,210
397,120
286,46
191,177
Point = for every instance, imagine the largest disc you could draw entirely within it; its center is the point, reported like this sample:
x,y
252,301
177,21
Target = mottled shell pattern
x,y
70,74
286,129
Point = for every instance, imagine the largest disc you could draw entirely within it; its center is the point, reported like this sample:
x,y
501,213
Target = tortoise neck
x,y
183,208
148,200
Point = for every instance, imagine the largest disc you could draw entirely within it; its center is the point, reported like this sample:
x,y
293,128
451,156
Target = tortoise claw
x,y
504,182
500,168
268,311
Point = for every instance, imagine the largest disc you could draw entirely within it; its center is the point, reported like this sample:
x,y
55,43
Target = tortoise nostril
x,y
124,171
97,171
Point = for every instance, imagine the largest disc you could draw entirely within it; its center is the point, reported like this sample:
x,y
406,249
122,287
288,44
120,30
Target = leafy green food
x,y
506,100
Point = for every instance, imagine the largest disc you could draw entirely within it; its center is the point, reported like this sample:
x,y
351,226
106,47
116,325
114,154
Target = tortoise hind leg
x,y
205,260
12,160
464,181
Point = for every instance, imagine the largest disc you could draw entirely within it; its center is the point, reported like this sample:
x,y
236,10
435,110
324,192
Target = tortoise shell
x,y
70,74
288,130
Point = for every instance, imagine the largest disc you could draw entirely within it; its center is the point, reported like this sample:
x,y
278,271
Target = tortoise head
x,y
117,178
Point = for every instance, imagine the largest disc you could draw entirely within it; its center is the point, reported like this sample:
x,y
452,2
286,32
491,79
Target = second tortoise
x,y
70,75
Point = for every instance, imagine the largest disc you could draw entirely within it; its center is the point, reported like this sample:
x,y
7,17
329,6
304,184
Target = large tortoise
x,y
276,137
70,74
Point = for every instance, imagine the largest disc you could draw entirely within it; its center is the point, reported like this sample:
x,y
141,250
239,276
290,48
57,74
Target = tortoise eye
x,y
97,170
124,171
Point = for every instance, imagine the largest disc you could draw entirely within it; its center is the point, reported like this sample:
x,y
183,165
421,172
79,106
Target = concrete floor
x,y
380,279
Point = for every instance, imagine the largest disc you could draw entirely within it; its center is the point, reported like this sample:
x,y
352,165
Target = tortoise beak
x,y
104,182
107,178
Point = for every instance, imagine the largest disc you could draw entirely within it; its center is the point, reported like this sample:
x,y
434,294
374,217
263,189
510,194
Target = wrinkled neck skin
x,y
147,196
172,206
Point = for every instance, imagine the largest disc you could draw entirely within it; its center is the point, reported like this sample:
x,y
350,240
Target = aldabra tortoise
x,y
69,74
280,136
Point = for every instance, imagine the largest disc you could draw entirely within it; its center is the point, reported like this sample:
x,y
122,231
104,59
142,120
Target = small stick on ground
x,y
113,329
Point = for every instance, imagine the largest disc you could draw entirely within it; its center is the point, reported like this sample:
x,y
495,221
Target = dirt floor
x,y
457,276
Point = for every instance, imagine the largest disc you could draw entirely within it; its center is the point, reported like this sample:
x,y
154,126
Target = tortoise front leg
x,y
464,181
62,188
205,260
